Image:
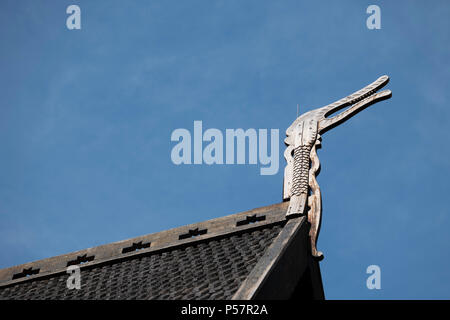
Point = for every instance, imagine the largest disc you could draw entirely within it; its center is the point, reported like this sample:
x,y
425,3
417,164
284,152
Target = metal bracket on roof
x,y
303,139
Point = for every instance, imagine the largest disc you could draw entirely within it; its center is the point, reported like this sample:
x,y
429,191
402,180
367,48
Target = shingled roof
x,y
257,254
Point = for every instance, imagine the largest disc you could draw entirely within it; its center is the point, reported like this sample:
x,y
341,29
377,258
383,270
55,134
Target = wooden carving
x,y
303,138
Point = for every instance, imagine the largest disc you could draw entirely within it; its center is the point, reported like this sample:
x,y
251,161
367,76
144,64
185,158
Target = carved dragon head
x,y
306,129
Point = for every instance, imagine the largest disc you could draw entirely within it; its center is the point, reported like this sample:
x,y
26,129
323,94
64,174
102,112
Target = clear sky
x,y
86,118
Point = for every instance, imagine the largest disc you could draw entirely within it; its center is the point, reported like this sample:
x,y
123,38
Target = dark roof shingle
x,y
208,270
249,255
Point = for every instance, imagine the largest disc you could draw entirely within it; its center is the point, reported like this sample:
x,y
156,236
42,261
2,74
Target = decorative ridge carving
x,y
303,137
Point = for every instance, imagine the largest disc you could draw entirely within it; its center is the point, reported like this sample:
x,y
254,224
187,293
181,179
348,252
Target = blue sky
x,y
86,117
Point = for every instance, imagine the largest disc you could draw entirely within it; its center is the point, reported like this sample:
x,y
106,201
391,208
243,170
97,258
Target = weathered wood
x,y
303,138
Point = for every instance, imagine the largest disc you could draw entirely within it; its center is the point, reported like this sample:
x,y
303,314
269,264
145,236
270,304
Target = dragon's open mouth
x,y
357,101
